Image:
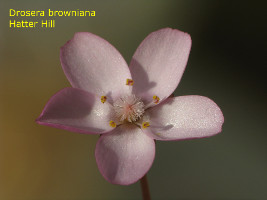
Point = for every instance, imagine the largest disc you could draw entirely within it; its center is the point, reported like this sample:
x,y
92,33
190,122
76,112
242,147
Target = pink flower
x,y
129,106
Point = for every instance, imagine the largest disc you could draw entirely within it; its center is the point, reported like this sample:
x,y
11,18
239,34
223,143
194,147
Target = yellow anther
x,y
112,124
145,124
156,99
129,82
103,99
158,134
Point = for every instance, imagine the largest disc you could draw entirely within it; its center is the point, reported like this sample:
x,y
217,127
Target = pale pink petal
x,y
92,64
159,62
184,117
124,155
76,110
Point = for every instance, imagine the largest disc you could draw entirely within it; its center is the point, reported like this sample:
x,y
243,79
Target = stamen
x,y
103,99
129,82
138,124
145,125
156,99
112,124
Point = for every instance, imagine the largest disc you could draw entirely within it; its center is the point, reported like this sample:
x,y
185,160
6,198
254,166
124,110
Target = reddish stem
x,y
145,188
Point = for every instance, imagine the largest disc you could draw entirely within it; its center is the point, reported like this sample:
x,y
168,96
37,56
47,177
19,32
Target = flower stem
x,y
145,188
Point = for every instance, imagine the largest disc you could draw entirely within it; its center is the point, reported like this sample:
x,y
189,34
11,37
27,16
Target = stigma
x,y
128,108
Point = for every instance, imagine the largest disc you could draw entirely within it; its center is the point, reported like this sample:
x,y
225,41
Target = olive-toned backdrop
x,y
227,63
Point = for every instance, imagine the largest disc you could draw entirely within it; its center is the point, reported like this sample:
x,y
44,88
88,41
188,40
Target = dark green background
x,y
227,63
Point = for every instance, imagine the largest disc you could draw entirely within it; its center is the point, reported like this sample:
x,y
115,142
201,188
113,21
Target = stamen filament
x,y
138,124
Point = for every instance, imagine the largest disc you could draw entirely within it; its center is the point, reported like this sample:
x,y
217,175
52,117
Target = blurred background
x,y
227,63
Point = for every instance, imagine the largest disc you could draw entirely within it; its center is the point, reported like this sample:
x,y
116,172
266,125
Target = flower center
x,y
129,108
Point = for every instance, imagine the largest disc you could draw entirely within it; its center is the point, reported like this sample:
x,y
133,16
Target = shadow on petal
x,y
76,110
69,104
141,80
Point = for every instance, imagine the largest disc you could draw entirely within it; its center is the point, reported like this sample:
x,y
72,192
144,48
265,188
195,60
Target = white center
x,y
129,108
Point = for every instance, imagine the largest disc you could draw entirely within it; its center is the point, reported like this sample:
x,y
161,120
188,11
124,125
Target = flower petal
x,y
124,155
92,64
76,110
159,62
184,117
